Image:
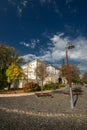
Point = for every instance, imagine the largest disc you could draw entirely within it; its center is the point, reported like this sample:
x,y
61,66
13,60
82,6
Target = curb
x,y
16,95
31,93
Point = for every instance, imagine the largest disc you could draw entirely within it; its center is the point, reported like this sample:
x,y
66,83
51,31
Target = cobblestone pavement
x,y
15,121
43,113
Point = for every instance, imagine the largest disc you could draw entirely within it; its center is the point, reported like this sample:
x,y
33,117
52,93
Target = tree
x,y
14,72
3,79
41,73
8,55
84,78
63,71
74,72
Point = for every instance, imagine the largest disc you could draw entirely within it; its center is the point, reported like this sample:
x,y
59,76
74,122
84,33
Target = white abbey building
x,y
29,70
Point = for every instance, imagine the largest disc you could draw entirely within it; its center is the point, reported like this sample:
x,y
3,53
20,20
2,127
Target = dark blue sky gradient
x,y
39,20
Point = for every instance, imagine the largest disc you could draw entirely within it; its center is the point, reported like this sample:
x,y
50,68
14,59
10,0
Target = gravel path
x,y
43,113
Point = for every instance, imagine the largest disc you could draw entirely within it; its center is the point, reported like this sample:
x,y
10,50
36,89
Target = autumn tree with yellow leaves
x,y
14,72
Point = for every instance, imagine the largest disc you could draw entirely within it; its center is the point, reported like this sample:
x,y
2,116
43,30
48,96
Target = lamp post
x,y
69,46
27,71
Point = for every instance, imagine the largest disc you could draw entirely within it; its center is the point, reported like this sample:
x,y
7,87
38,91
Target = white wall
x,y
29,70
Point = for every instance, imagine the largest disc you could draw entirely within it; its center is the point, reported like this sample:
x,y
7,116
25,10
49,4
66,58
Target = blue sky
x,y
42,28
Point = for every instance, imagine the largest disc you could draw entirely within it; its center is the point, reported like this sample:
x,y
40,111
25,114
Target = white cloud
x,y
80,51
24,3
13,2
46,57
68,1
83,68
25,44
32,44
71,8
19,5
77,55
53,4
29,57
56,50
58,42
45,1
19,9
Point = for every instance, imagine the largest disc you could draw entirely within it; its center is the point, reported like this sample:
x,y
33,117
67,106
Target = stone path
x,y
29,112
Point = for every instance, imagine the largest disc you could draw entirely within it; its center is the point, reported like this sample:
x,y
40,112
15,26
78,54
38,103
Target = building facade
x,y
30,72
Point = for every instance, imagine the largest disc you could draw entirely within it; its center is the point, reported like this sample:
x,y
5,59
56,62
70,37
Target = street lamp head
x,y
69,46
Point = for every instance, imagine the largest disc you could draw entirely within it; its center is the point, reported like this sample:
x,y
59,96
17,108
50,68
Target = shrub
x,y
50,86
31,87
61,86
79,82
77,89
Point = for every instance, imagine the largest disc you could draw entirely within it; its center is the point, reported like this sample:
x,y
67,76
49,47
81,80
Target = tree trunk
x,y
9,86
42,87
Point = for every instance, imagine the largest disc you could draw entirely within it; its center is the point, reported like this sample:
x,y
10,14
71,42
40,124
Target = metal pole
x,y
27,71
69,80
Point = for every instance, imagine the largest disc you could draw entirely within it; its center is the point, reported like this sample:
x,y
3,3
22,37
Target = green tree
x,y
74,72
8,55
63,71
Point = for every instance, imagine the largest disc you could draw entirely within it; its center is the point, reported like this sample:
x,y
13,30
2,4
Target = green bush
x,y
79,82
31,87
50,86
61,86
